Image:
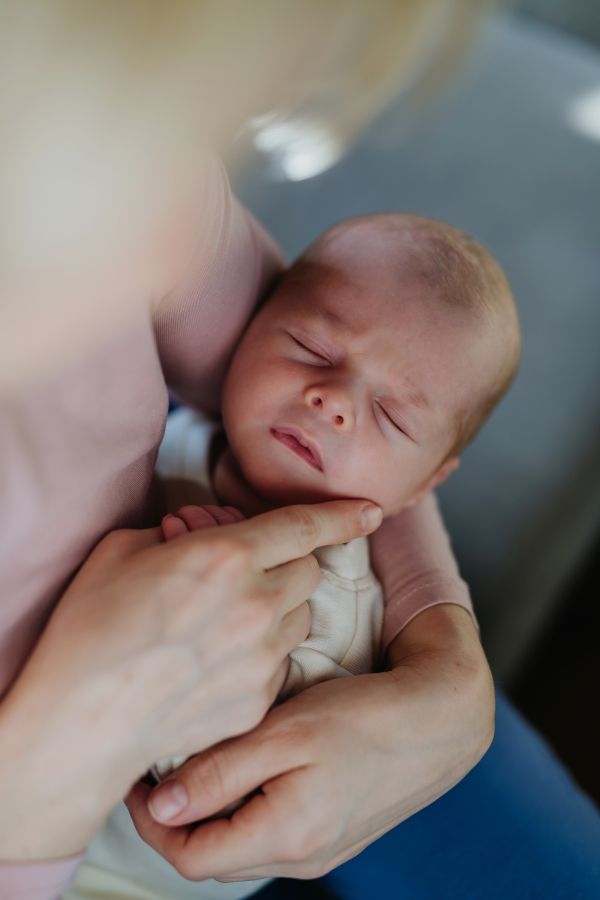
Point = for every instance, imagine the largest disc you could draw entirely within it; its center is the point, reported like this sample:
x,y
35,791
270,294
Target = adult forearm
x,y
440,667
61,773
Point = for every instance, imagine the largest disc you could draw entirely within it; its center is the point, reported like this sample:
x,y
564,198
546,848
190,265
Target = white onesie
x,y
344,639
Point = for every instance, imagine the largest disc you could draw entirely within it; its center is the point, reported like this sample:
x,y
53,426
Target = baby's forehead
x,y
353,248
391,262
370,282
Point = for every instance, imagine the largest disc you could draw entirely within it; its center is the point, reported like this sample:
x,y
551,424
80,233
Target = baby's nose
x,y
334,404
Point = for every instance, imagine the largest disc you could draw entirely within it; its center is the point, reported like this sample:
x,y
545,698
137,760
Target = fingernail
x,y
370,517
167,800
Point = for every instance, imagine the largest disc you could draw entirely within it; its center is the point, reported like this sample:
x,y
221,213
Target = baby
x,y
371,365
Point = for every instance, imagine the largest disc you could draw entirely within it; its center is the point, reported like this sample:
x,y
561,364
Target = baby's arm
x,y
413,559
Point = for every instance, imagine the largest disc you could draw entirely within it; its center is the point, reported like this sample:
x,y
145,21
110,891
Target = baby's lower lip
x,y
289,441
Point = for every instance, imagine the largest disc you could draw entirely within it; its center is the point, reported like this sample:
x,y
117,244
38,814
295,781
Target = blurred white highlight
x,y
584,114
299,149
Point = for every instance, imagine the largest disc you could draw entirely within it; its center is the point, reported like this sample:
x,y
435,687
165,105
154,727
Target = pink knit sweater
x,y
78,452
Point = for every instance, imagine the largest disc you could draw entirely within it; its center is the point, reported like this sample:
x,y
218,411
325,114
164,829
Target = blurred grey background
x,y
511,154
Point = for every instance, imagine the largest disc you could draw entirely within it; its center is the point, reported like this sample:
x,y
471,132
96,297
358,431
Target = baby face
x,y
348,383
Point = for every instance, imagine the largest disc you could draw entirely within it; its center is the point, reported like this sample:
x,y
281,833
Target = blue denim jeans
x,y
516,828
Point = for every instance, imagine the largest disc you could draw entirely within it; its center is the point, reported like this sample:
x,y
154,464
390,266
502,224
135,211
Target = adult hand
x,y
155,649
339,764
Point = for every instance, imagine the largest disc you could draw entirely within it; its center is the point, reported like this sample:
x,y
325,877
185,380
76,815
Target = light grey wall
x,y
579,17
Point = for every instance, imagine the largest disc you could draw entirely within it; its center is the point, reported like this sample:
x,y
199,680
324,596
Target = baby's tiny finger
x,y
223,515
173,527
198,517
237,515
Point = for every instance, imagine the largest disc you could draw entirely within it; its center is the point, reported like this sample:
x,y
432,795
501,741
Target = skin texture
x,y
197,669
336,767
342,361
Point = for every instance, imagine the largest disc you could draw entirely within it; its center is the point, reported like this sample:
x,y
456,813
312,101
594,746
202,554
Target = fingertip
x,y
237,515
370,517
197,518
167,800
173,527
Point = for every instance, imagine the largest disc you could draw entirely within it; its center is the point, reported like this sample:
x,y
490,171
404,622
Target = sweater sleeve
x,y
412,557
199,323
37,880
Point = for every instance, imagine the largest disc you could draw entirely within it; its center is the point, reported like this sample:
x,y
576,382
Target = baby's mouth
x,y
294,440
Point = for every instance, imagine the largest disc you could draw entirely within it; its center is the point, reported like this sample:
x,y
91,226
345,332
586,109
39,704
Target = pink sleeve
x,y
200,322
412,557
37,880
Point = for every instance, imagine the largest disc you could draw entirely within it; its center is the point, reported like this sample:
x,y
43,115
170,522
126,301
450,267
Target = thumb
x,y
209,782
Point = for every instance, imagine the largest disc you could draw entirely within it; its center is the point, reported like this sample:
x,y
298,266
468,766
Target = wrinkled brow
x,y
410,391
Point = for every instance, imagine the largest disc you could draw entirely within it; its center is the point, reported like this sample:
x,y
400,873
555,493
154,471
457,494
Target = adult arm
x,y
339,764
345,761
200,321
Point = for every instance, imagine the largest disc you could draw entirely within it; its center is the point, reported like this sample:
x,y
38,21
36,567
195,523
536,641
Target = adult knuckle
x,y
232,552
260,674
255,618
304,524
186,866
206,772
300,845
120,540
253,712
226,557
297,732
275,601
314,569
271,660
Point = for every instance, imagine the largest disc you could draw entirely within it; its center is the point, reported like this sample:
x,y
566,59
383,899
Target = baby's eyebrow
x,y
328,315
414,396
408,394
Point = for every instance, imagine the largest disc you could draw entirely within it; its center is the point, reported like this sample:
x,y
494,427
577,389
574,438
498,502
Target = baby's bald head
x,y
395,249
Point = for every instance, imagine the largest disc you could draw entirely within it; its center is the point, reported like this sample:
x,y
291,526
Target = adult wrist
x,y
442,649
56,785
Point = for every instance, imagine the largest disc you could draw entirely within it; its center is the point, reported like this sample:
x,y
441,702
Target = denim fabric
x,y
516,827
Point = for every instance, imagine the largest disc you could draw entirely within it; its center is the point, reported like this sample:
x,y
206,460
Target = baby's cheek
x,y
381,480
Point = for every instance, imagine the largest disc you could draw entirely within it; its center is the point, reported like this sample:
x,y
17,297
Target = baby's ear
x,y
450,466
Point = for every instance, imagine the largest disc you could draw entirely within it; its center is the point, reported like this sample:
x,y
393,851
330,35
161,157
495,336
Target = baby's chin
x,y
288,493
285,492
279,488
253,493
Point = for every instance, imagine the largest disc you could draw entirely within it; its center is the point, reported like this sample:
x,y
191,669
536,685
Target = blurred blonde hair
x,y
107,105
305,76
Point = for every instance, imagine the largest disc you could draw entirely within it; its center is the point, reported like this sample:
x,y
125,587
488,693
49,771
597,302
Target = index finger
x,y
292,532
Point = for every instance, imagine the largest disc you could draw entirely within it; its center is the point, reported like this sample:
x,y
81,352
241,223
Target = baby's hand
x,y
194,518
